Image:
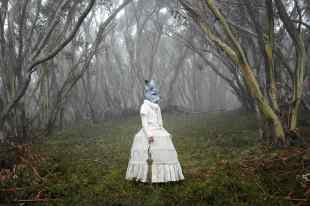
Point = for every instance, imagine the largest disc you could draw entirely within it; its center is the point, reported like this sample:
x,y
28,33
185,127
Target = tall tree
x,y
229,41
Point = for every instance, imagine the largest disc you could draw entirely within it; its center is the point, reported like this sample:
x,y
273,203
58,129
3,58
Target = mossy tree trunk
x,y
297,35
268,105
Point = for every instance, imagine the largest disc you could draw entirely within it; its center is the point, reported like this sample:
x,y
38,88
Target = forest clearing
x,y
155,102
222,160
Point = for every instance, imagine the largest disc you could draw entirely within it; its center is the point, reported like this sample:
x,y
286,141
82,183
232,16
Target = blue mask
x,y
151,93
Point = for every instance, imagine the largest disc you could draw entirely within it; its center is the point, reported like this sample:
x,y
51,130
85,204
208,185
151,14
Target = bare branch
x,y
44,40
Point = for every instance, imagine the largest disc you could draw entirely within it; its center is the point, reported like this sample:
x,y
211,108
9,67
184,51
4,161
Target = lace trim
x,y
160,172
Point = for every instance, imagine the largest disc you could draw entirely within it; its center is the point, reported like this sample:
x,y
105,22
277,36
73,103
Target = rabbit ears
x,y
150,83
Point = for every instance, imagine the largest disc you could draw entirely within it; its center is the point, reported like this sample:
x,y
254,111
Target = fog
x,y
64,62
234,88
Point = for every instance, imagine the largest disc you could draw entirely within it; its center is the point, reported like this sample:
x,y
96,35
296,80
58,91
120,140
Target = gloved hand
x,y
151,139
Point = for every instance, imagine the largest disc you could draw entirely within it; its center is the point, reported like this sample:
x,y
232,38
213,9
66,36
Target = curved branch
x,y
53,53
30,69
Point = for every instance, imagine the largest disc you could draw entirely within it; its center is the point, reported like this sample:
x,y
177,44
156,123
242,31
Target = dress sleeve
x,y
144,118
160,118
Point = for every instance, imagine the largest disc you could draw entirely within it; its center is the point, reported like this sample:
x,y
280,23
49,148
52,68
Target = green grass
x,y
86,165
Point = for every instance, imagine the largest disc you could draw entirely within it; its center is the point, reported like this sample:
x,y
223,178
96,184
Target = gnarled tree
x,y
227,38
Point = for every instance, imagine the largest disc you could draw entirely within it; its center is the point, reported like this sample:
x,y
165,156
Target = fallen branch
x,y
296,199
45,200
33,201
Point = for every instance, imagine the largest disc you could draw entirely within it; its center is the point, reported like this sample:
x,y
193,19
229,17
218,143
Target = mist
x,y
233,78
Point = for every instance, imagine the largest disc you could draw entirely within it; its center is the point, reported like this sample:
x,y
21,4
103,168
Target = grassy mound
x,y
219,154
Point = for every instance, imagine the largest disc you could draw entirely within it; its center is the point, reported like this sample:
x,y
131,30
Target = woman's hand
x,y
151,139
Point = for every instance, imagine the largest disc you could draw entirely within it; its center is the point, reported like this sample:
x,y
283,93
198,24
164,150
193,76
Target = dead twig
x,y
296,199
45,200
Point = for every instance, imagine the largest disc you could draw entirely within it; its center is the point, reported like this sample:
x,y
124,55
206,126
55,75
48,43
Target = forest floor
x,y
222,160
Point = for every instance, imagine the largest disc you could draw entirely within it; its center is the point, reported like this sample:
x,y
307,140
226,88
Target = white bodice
x,y
151,117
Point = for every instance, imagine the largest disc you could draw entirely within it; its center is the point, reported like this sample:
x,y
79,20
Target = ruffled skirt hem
x,y
160,172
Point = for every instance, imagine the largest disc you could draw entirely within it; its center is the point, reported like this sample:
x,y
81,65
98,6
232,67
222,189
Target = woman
x,y
153,157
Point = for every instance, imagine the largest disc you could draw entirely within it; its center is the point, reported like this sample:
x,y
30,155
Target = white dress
x,y
165,164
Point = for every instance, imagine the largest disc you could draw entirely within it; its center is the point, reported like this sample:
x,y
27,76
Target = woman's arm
x,y
144,121
146,129
144,124
160,118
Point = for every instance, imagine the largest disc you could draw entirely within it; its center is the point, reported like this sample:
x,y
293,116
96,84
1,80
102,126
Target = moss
x,y
86,165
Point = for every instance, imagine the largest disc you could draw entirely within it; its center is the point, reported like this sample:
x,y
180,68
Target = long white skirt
x,y
165,164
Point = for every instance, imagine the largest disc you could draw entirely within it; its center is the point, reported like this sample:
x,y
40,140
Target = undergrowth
x,y
220,155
